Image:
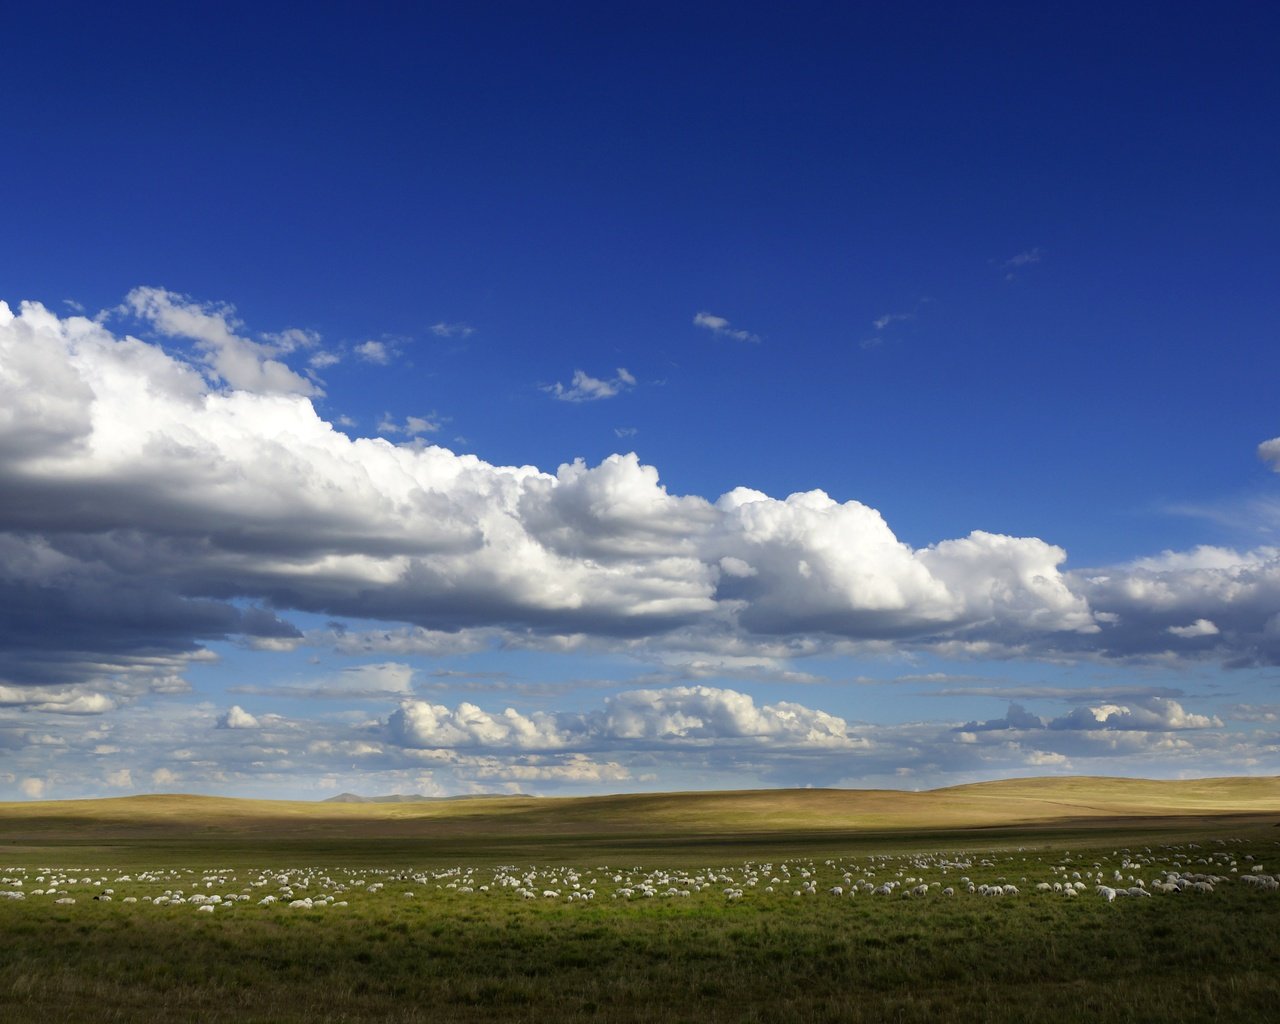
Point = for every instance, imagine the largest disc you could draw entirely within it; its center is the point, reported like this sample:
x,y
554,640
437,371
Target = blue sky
x,y
611,284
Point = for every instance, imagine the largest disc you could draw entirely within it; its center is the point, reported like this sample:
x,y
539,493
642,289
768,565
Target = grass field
x,y
664,935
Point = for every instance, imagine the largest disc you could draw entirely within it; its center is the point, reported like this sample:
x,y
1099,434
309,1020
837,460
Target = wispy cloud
x,y
881,322
413,426
242,363
585,388
719,325
452,330
1070,694
1026,258
360,682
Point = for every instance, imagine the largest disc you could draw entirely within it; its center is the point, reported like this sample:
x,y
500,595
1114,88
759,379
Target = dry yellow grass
x,y
1006,804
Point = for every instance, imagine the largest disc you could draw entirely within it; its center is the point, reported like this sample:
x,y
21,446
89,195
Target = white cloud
x,y
452,330
163,777
1269,452
1254,713
1017,717
1154,714
420,724
119,778
577,768
585,388
881,322
237,717
359,682
374,352
62,700
413,426
244,364
33,788
1216,602
1150,714
682,715
719,325
1025,258
1201,627
704,713
148,514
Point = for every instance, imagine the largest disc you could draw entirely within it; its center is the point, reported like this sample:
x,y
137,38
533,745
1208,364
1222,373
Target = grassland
x,y
488,954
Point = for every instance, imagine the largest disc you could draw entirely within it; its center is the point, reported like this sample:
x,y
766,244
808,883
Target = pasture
x,y
1031,900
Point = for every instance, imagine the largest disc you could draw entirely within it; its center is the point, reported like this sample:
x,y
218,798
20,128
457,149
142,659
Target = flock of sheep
x,y
1141,874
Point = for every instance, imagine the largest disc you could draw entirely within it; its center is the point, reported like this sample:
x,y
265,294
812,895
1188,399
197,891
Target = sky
x,y
580,398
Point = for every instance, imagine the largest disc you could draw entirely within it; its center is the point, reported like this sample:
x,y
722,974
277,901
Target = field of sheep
x,y
1175,918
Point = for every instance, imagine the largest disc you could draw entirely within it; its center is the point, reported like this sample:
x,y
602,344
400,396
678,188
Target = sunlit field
x,y
706,909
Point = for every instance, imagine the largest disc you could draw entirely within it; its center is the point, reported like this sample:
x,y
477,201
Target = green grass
x,y
443,955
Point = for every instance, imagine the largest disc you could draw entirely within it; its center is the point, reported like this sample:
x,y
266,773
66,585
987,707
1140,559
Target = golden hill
x,y
1013,803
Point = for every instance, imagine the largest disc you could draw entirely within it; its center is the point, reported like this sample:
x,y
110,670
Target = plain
x,y
758,906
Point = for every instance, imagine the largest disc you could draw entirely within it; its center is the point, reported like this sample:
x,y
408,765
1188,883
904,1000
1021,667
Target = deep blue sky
x,y
1008,269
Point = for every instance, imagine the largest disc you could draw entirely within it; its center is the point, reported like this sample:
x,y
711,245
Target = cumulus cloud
x,y
149,513
719,325
1017,717
729,737
237,717
705,713
585,388
1205,602
1151,714
671,737
119,778
1154,714
1269,452
421,724
374,352
163,777
675,716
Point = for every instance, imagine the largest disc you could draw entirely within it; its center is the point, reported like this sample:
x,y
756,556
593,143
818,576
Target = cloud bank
x,y
157,501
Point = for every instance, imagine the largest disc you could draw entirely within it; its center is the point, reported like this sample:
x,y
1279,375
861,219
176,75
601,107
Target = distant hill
x,y
623,824
413,798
